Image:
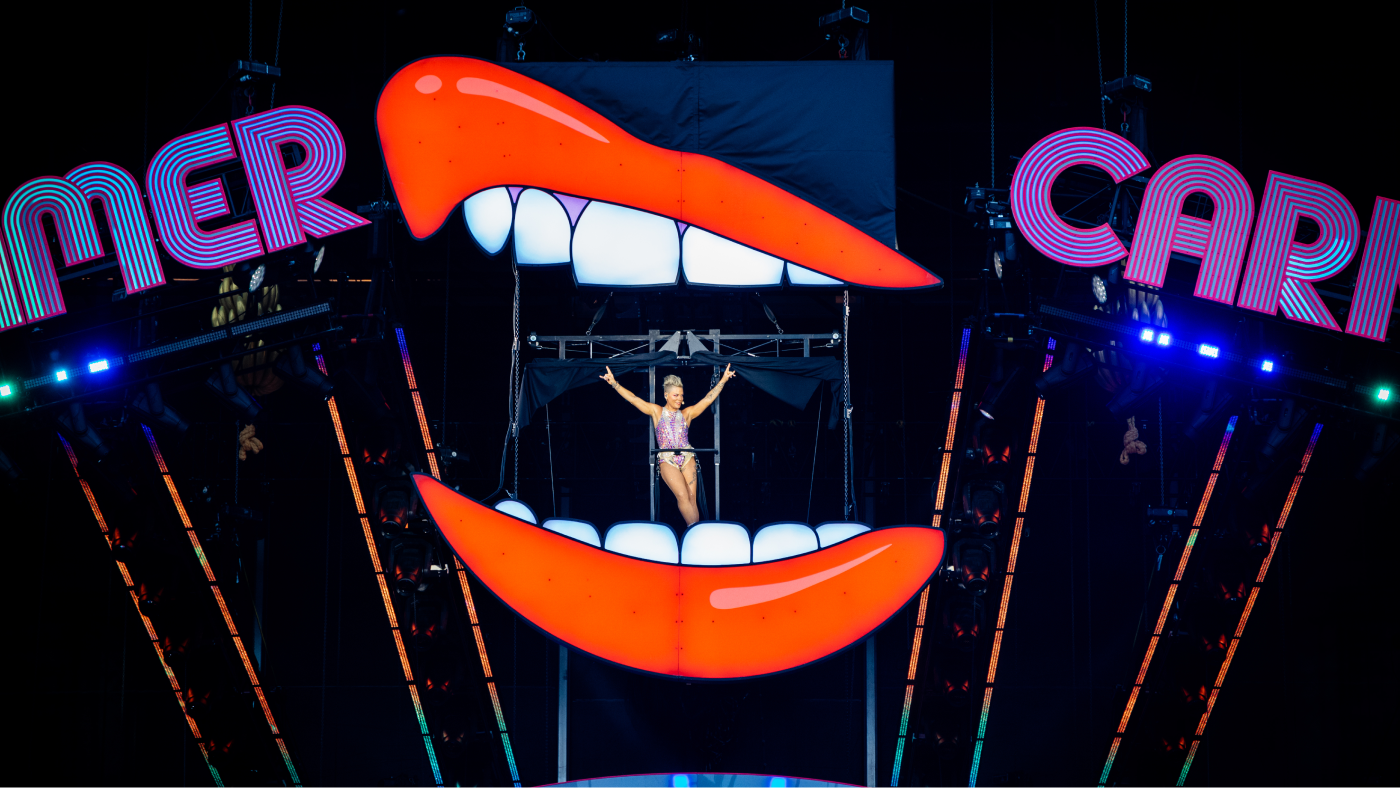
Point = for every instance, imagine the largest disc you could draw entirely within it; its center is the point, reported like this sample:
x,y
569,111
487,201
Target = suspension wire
x,y
277,52
549,439
992,88
846,401
446,313
515,381
1161,456
250,30
816,444
1098,50
1125,43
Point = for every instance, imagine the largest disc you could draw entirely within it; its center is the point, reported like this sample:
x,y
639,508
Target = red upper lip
x,y
453,126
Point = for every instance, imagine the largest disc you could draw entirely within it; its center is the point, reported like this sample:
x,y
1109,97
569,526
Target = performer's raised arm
x,y
649,408
699,407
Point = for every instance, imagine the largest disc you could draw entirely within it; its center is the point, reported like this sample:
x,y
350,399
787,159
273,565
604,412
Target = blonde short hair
x,y
671,381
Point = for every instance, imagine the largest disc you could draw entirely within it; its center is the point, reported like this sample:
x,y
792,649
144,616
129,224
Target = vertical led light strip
x,y
937,521
1249,605
146,622
461,569
1167,603
223,606
1010,574
373,548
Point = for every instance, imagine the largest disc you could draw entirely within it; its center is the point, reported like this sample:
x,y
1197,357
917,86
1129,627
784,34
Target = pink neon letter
x,y
1162,229
289,201
170,201
126,214
1036,173
1279,268
1375,282
24,230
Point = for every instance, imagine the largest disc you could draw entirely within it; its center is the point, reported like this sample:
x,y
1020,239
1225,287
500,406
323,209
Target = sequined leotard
x,y
673,433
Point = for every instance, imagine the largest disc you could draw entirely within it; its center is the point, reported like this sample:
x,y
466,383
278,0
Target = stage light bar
x,y
937,520
1147,335
98,366
1031,448
1267,365
1209,351
149,626
61,374
1167,603
234,635
5,390
1249,605
1383,394
461,570
1165,340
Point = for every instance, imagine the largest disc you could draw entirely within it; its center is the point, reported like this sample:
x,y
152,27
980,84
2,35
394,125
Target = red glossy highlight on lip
x,y
659,617
443,146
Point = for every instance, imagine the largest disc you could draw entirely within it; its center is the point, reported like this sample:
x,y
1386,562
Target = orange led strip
x,y
145,621
223,608
461,570
1249,606
1167,602
1031,448
945,465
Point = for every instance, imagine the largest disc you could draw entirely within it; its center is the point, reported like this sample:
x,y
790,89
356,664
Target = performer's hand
x,y
727,374
608,377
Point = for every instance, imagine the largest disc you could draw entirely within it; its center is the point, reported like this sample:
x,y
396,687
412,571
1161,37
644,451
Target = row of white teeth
x,y
704,544
613,245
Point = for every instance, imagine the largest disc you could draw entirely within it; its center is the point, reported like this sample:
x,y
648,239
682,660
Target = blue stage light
x,y
1164,339
98,366
5,391
1209,351
1147,335
1383,394
62,374
1267,366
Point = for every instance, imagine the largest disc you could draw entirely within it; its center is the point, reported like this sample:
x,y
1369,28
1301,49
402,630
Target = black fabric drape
x,y
791,379
548,378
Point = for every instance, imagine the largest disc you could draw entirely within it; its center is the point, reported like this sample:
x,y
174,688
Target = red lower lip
x,y
444,145
719,622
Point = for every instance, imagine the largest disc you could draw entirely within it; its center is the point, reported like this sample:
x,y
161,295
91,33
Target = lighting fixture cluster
x,y
1152,336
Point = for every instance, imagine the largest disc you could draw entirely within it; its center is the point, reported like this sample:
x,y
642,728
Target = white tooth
x,y
614,245
829,534
488,216
712,260
715,544
577,529
806,276
642,539
517,510
541,229
782,540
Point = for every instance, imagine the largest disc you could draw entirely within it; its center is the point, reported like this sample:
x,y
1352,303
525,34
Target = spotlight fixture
x,y
1209,351
292,366
75,423
1100,289
1072,364
5,390
225,386
1145,381
1214,400
973,560
984,503
1383,394
1267,365
408,555
963,618
98,366
999,393
1147,335
62,374
151,407
1164,339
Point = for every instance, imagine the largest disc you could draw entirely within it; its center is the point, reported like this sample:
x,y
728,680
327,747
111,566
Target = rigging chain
x,y
846,401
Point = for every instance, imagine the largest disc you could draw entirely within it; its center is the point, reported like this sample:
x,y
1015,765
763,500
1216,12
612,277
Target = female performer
x,y
673,432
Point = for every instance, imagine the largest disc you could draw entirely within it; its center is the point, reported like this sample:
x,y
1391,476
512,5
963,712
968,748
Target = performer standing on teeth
x,y
672,424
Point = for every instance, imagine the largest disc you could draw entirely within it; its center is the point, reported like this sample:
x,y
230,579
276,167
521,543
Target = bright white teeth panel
x,y
829,534
806,276
620,246
577,529
712,260
715,544
782,540
488,216
541,229
515,508
643,539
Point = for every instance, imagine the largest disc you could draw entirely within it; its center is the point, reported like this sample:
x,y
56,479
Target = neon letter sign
x,y
290,205
1036,173
1375,283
